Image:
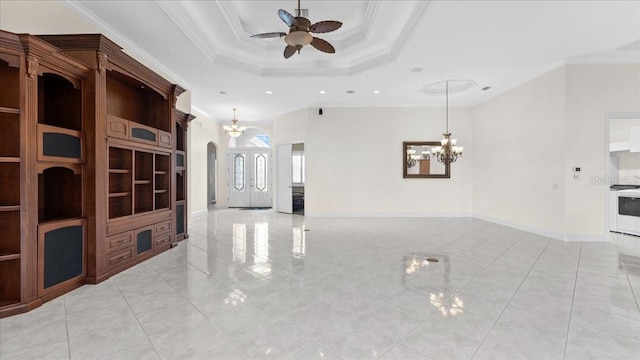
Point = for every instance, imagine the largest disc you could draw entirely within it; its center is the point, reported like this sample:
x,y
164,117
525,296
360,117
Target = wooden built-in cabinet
x,y
42,158
182,121
13,259
87,162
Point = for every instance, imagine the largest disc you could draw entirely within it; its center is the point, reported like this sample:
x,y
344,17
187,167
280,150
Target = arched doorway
x,y
249,170
212,164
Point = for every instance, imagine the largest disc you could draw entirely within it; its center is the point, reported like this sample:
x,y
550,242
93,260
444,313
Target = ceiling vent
x,y
455,86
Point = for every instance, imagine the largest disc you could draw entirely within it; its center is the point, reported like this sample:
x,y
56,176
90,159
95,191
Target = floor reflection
x,y
424,272
261,265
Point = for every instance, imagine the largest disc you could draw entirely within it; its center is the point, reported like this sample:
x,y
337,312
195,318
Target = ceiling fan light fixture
x,y
298,39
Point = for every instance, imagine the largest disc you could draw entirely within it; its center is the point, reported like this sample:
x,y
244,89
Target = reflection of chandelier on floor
x,y
450,307
234,130
448,152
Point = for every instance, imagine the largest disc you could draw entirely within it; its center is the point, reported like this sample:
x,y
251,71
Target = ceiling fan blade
x,y
325,26
268,35
286,17
322,45
289,51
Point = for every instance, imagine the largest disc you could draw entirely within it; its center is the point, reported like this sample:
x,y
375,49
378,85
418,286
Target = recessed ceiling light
x,y
223,93
350,91
322,92
417,70
376,92
269,92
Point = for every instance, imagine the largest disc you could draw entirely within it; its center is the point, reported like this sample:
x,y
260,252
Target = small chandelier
x,y
234,130
448,152
412,158
426,154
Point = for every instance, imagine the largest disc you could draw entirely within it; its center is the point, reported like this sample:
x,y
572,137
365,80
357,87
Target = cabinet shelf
x,y
159,191
160,172
142,182
7,110
119,171
10,208
7,257
9,159
116,195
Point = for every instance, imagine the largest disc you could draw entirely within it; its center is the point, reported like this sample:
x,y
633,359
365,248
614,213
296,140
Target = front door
x,y
249,175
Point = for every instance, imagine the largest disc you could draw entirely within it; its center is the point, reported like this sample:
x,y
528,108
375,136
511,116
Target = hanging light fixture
x,y
412,158
234,130
448,152
426,154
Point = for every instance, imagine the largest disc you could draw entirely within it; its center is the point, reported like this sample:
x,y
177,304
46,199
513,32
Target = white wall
x,y
203,130
519,147
538,132
628,167
287,128
345,182
592,91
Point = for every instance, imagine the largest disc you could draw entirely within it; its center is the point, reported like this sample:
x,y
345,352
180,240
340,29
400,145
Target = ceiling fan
x,y
299,33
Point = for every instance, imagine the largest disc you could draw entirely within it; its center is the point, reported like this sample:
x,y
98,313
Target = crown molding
x,y
176,12
128,46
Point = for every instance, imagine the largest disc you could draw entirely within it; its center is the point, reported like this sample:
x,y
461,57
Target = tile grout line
x,y
575,285
206,318
137,320
423,321
635,296
511,298
66,321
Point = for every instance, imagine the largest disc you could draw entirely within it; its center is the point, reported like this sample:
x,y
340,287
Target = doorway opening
x,y
623,173
291,178
297,178
212,164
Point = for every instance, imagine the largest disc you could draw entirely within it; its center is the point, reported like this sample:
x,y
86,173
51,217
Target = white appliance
x,y
629,211
613,210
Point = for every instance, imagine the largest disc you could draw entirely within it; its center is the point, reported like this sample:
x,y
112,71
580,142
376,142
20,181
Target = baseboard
x,y
527,228
199,213
386,215
586,238
543,232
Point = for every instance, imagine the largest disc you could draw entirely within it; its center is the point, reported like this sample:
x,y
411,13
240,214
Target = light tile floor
x,y
261,285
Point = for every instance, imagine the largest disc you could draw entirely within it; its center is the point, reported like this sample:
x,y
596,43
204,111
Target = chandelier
x,y
412,158
448,152
234,130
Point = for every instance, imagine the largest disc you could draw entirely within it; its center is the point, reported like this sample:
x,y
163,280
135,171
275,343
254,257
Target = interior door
x,y
285,196
249,175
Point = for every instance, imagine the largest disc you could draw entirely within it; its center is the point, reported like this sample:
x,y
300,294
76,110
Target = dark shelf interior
x,y
130,99
143,197
10,90
59,102
10,232
120,182
9,135
179,137
9,282
180,186
119,206
9,183
59,194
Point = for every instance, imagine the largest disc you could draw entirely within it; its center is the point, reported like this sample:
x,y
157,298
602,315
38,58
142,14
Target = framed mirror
x,y
418,161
